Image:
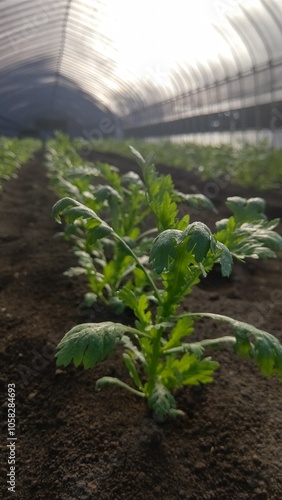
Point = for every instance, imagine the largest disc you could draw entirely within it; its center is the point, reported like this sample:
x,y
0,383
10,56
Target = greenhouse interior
x,y
141,249
207,71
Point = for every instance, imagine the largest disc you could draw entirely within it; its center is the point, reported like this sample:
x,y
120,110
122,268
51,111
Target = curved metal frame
x,y
56,42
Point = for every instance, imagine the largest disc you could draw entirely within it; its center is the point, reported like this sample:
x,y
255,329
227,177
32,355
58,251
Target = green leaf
x,y
183,328
138,156
264,356
132,179
113,381
197,200
263,348
183,223
116,305
130,365
61,205
103,193
164,248
246,209
161,402
199,240
75,271
134,351
91,223
72,210
138,305
89,299
98,233
165,210
77,212
243,344
277,370
89,343
188,370
226,261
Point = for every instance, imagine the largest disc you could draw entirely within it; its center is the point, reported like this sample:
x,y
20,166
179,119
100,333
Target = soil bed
x,y
75,443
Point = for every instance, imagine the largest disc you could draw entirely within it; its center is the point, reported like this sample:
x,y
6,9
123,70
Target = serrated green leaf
x,y
128,297
97,233
183,223
72,210
61,205
89,343
138,304
161,402
165,210
188,370
183,328
103,193
265,349
199,240
77,212
137,155
246,209
243,345
164,248
226,261
264,356
197,200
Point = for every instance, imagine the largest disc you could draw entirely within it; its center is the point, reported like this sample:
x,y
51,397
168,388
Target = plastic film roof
x,y
77,60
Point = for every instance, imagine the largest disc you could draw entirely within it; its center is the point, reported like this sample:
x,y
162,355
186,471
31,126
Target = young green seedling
x,y
123,202
157,354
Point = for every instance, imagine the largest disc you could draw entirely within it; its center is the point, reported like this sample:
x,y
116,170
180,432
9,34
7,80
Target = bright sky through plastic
x,y
151,35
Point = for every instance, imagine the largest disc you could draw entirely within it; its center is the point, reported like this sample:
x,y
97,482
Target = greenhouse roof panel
x,y
127,55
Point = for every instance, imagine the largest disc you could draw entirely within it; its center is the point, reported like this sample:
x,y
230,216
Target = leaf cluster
x,y
157,352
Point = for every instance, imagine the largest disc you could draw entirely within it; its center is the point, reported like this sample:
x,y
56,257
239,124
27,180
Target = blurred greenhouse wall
x,y
208,71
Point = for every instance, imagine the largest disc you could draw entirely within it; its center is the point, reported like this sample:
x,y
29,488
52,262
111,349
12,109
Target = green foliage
x,y
162,403
126,203
248,165
13,153
260,346
153,281
248,233
89,343
188,370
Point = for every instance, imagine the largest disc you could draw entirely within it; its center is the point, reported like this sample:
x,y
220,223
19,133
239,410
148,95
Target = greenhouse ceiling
x,y
81,60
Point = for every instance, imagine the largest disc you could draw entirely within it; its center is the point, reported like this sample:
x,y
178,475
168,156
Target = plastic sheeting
x,y
97,67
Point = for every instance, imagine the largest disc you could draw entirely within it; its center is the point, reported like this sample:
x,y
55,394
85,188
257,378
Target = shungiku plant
x,y
158,353
135,206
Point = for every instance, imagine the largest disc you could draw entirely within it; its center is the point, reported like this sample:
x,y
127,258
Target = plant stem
x,y
104,381
140,265
228,339
138,333
219,317
236,324
152,369
147,233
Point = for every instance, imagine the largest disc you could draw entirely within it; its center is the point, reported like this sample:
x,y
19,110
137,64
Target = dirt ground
x,y
75,443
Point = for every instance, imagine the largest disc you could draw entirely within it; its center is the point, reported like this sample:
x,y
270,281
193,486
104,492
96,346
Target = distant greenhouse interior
x,y
205,71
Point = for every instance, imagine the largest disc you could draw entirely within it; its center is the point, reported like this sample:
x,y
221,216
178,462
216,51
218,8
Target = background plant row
x,y
13,153
258,166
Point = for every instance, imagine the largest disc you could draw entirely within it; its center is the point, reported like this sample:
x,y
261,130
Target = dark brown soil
x,y
76,443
